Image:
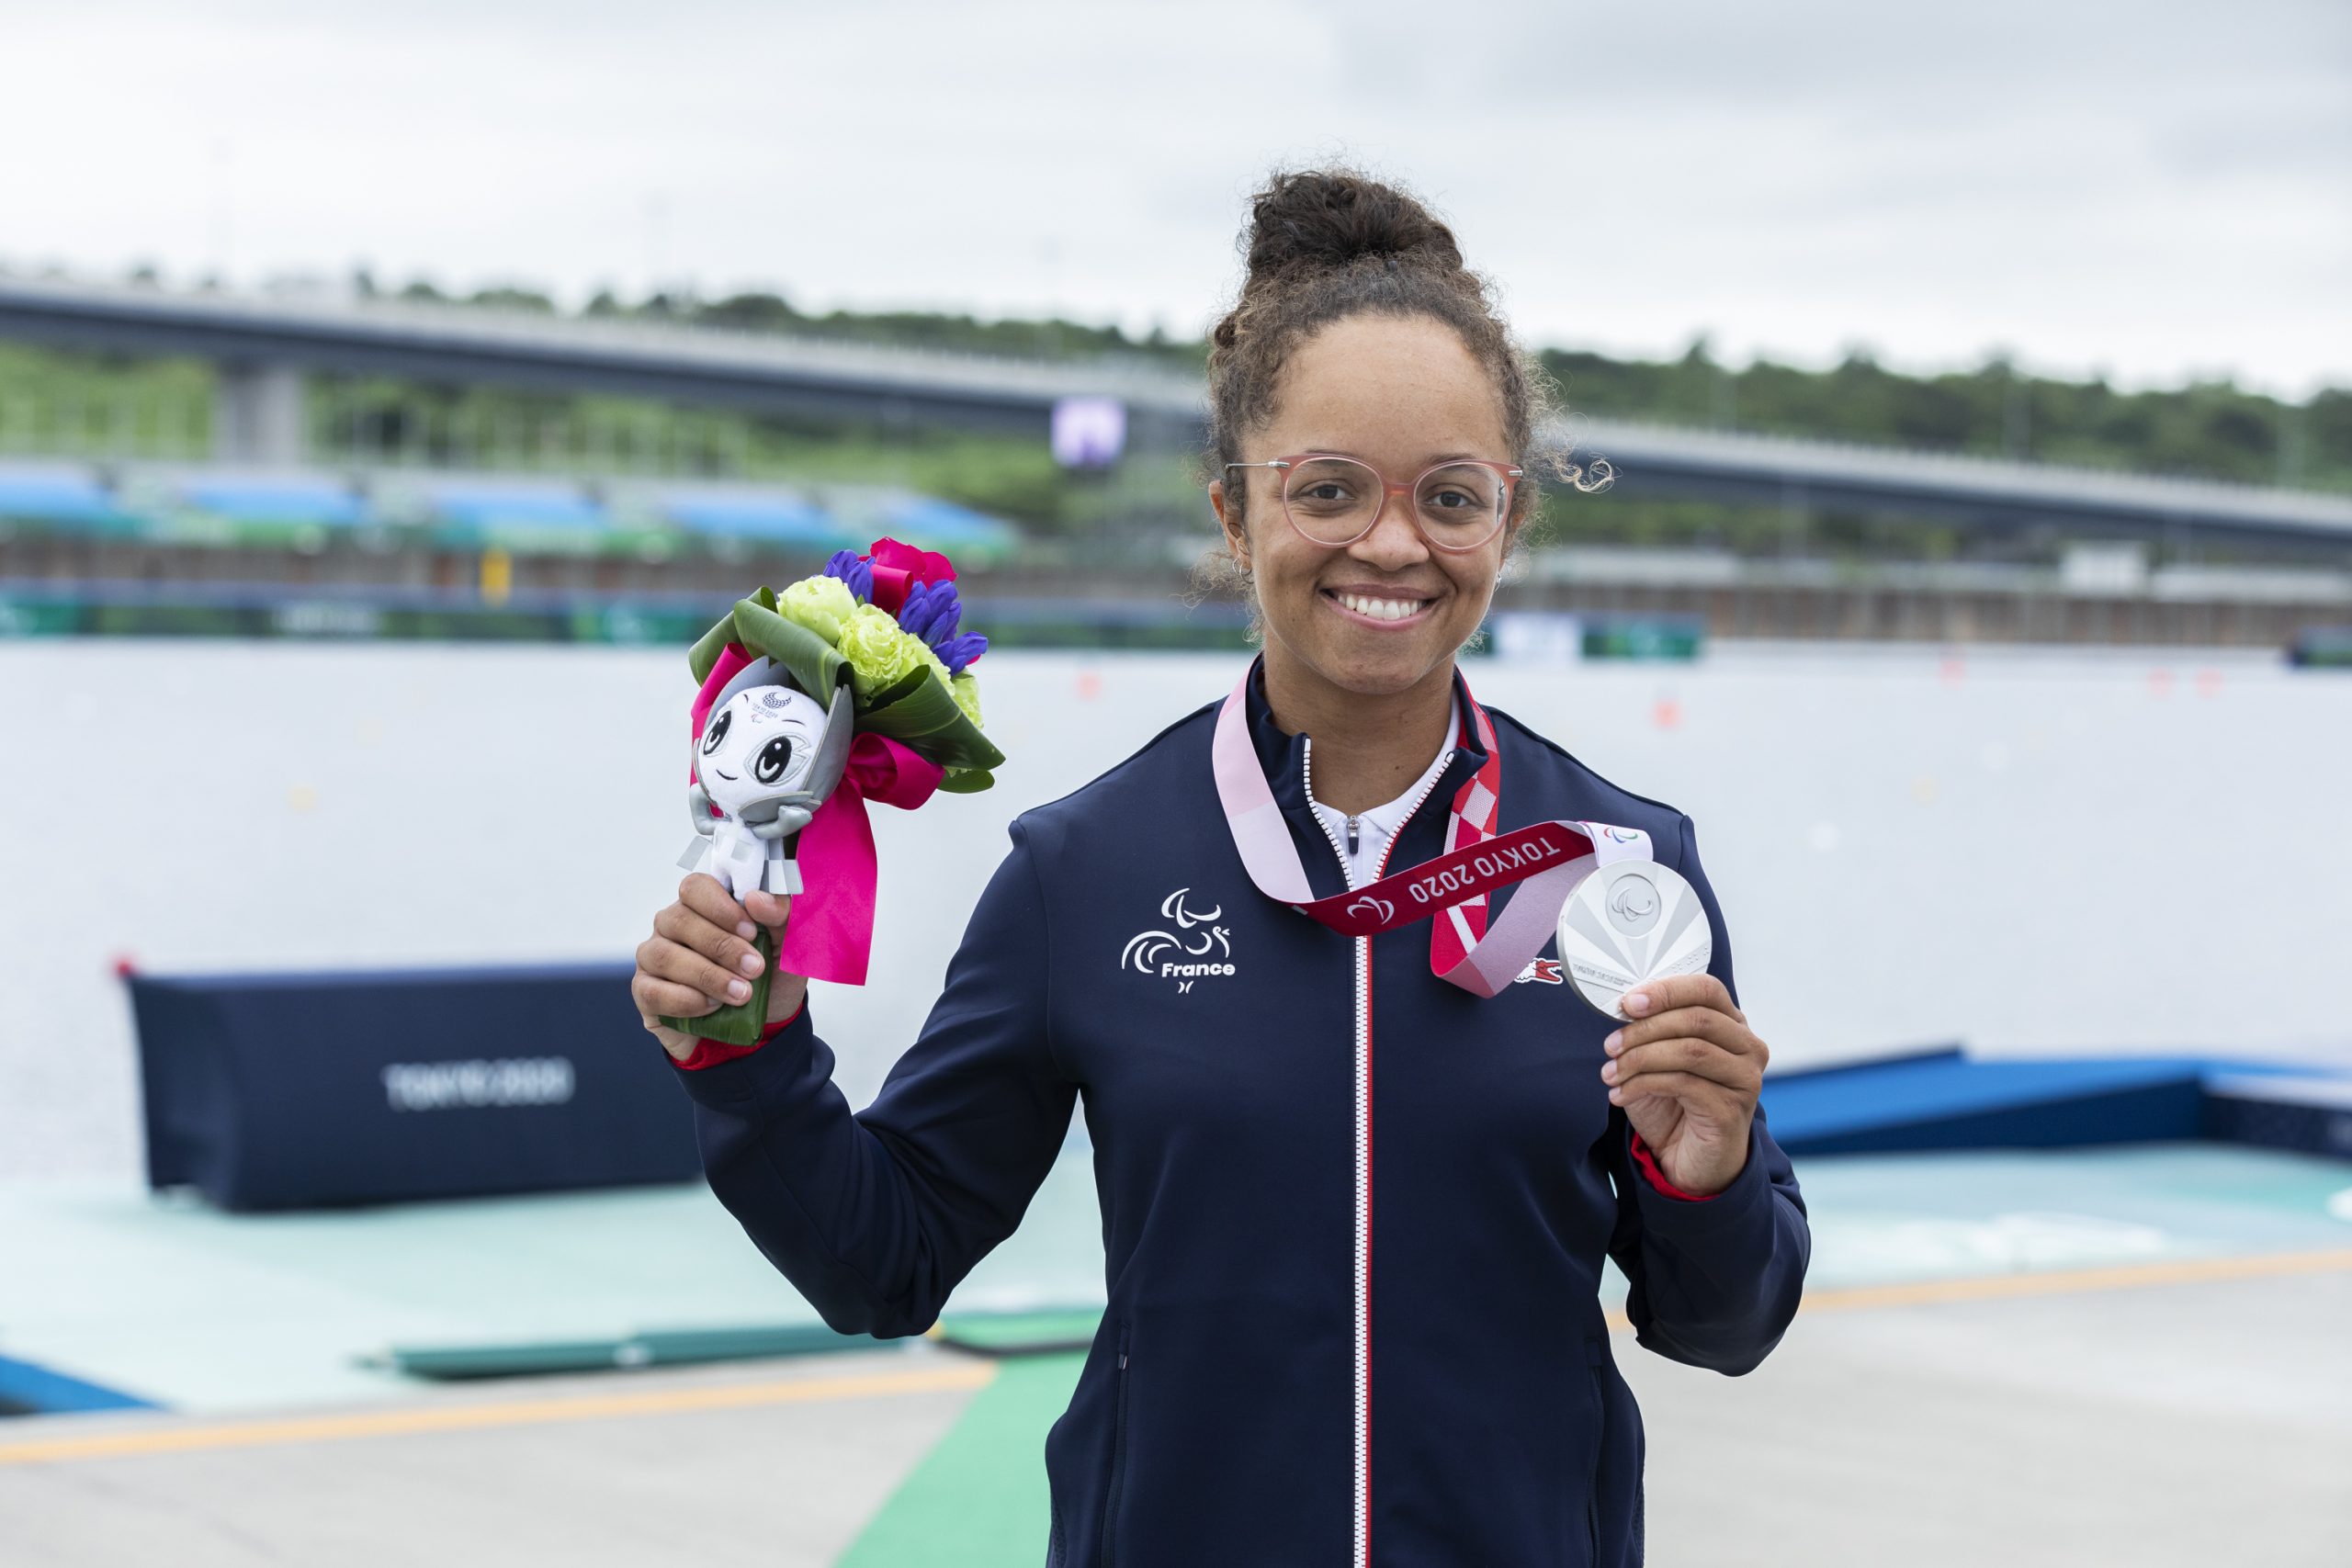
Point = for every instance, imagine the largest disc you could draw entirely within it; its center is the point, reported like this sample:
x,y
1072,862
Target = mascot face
x,y
759,746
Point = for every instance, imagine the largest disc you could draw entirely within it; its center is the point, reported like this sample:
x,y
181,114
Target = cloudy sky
x,y
2151,189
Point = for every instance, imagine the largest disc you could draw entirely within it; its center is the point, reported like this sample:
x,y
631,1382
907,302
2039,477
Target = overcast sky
x,y
2152,189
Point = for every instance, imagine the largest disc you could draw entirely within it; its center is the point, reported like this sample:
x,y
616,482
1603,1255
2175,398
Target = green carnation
x,y
967,692
879,653
824,604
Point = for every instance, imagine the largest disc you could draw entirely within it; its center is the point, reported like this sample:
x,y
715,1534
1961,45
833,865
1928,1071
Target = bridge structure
x,y
265,347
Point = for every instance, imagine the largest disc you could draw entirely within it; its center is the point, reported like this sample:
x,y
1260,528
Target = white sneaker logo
x,y
1185,954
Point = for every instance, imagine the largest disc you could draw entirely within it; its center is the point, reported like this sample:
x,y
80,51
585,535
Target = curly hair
x,y
1326,243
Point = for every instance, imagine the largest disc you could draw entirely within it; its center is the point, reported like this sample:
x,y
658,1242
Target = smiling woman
x,y
1364,364
1143,949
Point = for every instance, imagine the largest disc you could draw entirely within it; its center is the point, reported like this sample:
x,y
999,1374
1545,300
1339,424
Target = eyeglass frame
x,y
1512,474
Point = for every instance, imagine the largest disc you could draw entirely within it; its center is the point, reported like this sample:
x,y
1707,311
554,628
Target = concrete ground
x,y
2176,1424
2198,1416
774,1464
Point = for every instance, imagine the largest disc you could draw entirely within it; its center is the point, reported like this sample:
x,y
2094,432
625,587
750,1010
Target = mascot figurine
x,y
768,757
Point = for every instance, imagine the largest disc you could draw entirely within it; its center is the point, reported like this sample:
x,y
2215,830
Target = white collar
x,y
1376,825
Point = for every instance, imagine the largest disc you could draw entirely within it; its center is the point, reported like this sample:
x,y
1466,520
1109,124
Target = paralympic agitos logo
x,y
1196,949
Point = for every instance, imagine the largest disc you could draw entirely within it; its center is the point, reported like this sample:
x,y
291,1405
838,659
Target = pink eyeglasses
x,y
1457,505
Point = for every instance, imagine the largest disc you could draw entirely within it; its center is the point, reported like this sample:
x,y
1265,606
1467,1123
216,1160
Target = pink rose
x,y
921,566
898,567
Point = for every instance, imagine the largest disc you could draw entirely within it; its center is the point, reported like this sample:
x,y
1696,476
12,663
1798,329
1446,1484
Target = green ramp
x,y
978,1499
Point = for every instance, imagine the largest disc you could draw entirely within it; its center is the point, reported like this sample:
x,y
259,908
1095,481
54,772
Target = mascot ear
x,y
832,752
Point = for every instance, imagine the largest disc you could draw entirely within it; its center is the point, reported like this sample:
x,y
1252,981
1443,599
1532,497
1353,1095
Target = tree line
x,y
2210,429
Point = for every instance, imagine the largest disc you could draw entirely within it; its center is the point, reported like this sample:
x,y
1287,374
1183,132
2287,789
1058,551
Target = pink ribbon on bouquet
x,y
830,933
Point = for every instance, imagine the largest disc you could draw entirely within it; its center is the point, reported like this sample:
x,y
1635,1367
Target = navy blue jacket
x,y
1354,1216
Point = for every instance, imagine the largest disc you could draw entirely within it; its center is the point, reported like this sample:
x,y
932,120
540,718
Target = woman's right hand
x,y
700,958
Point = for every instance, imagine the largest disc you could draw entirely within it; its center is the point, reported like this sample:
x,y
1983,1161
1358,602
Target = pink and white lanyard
x,y
1552,858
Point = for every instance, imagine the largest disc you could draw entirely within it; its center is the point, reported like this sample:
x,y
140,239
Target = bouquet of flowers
x,y
848,686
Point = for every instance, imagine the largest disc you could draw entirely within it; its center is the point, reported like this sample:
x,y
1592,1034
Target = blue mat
x,y
1941,1098
28,1389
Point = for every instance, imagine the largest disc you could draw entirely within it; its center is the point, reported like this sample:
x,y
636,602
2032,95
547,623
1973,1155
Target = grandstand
x,y
312,511
314,494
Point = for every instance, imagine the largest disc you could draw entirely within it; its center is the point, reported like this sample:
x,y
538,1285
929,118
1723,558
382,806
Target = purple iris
x,y
957,652
855,570
932,613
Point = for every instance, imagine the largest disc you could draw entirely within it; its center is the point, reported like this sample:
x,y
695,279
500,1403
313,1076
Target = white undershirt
x,y
1376,825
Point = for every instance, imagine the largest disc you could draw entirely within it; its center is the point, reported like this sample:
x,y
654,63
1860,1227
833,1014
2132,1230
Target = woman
x,y
1313,1353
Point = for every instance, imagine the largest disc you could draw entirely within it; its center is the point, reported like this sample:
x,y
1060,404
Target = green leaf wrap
x,y
741,1023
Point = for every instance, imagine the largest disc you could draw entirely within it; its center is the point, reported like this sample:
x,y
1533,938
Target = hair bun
x,y
1329,217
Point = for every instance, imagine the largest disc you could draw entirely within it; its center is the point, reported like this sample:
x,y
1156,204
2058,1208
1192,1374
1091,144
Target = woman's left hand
x,y
1686,1071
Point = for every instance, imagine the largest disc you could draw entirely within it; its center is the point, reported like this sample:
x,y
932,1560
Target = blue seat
x,y
767,517
527,517
66,499
274,502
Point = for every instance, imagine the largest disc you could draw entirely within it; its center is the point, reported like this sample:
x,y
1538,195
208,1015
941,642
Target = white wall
x,y
2040,849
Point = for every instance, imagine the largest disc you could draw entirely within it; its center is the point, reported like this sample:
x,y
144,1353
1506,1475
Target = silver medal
x,y
1632,920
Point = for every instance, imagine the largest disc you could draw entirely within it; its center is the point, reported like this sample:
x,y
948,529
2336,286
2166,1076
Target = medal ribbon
x,y
1552,858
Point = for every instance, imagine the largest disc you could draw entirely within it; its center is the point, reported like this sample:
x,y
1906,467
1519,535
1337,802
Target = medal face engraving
x,y
1634,903
1629,921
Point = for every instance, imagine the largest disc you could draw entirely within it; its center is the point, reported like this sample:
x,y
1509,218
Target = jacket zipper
x,y
1362,1558
1118,1451
1306,779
